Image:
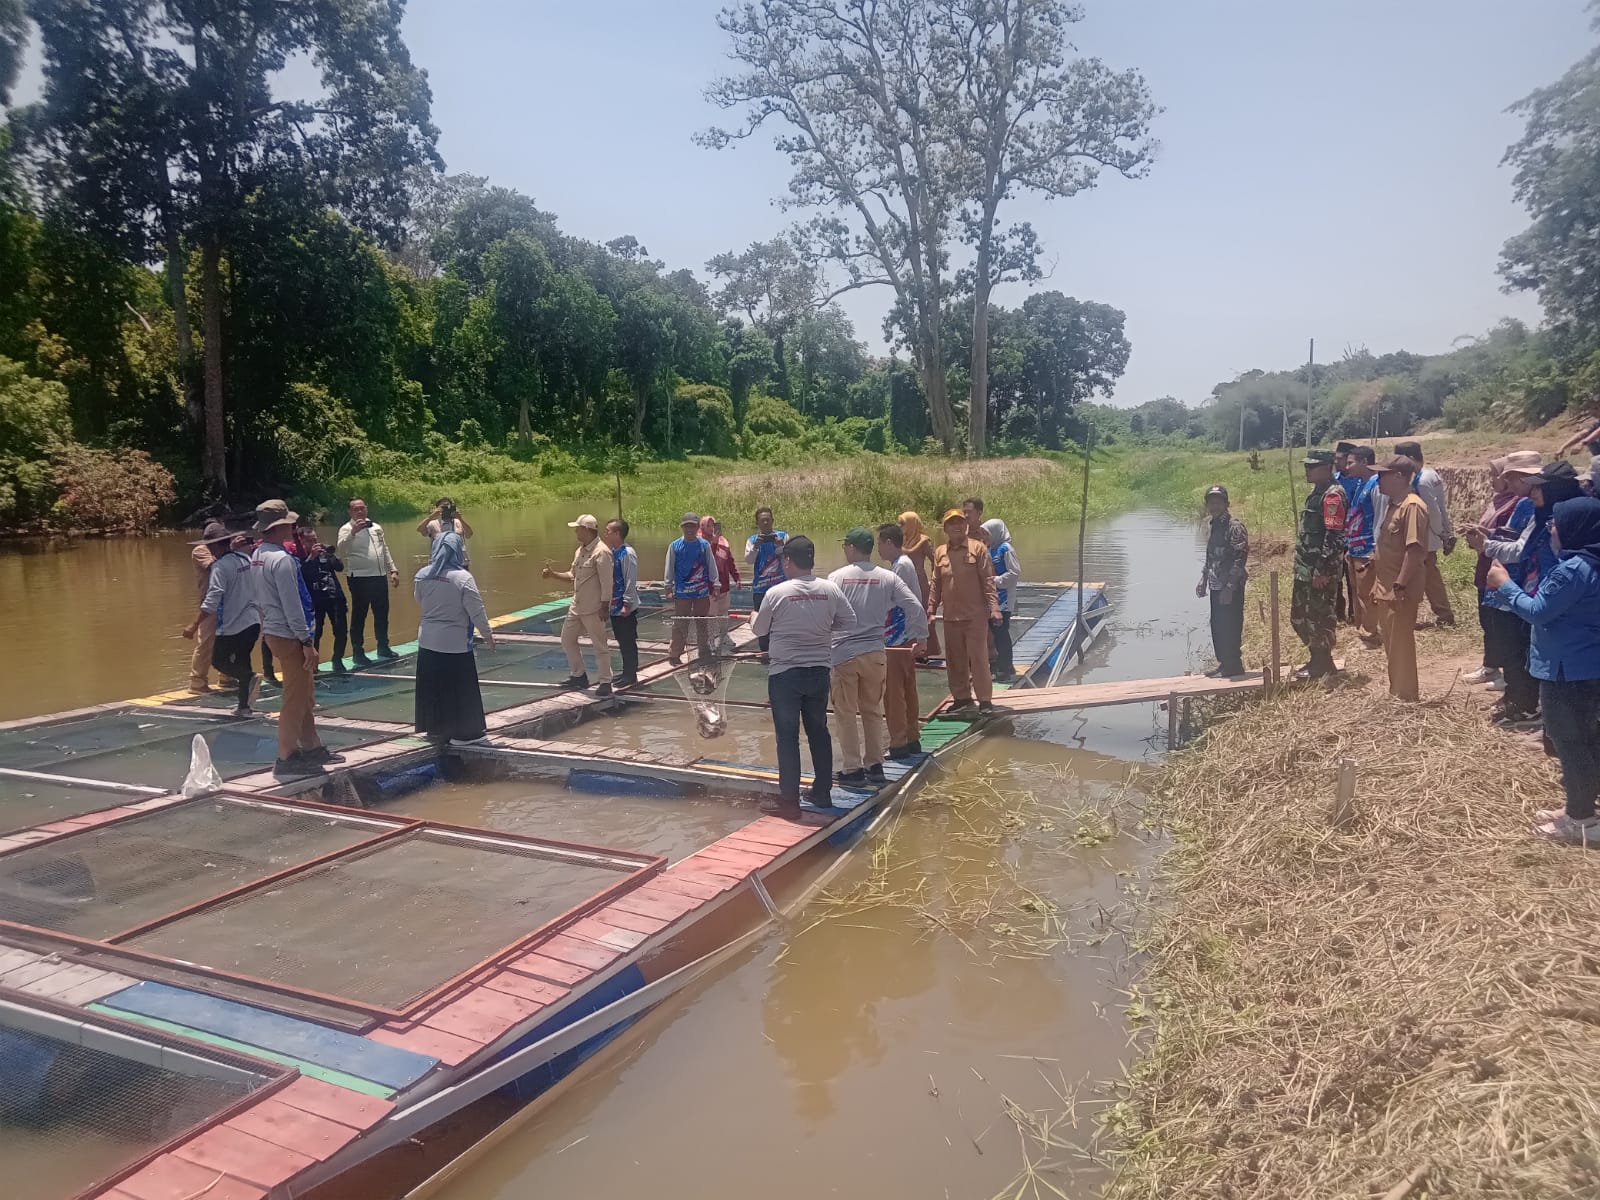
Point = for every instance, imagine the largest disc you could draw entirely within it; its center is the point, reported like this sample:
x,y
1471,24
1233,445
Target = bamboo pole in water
x,y
1083,522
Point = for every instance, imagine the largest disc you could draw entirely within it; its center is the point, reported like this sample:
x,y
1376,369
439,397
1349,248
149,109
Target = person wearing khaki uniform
x,y
963,589
1398,589
213,544
591,601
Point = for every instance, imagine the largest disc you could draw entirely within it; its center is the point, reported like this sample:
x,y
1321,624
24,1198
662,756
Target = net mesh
x,y
25,803
385,925
70,1115
102,881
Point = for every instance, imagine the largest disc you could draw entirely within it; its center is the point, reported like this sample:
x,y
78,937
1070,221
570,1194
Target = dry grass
x,y
1409,1005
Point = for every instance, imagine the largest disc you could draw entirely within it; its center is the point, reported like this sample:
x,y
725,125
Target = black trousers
x,y
1227,632
335,615
755,607
231,656
1000,664
369,592
626,630
799,696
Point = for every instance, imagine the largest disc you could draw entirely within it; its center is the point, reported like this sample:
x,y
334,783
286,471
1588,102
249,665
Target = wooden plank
x,y
12,957
171,1178
301,1040
666,905
514,983
482,1015
20,977
1130,691
449,1048
293,1128
577,952
552,969
335,1103
687,883
243,1156
621,918
70,976
108,984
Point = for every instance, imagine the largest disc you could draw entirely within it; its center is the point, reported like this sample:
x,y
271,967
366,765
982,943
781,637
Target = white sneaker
x,y
1482,675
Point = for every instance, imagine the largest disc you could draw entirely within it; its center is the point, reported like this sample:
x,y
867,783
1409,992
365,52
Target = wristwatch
x,y
307,643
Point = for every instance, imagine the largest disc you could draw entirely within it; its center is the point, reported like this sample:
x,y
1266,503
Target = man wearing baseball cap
x,y
688,581
284,605
1318,564
591,600
859,660
963,588
1227,556
1397,590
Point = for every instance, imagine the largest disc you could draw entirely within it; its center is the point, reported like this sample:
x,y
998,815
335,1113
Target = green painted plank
x,y
338,1078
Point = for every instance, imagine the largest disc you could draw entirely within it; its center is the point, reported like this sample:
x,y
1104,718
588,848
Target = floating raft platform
x,y
249,993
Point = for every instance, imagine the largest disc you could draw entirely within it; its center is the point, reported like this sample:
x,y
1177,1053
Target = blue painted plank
x,y
331,1048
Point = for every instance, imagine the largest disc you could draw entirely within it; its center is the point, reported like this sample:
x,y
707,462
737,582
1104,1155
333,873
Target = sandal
x,y
1570,832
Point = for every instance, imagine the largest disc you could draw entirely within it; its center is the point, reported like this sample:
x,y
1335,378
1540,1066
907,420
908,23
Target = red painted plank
x,y
666,905
781,833
482,1015
698,889
354,1109
711,870
578,953
293,1129
449,1048
243,1156
169,1178
737,856
115,1194
605,934
621,918
536,990
552,969
746,845
88,820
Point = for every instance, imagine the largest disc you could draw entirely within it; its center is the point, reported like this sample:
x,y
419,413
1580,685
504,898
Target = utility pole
x,y
1311,362
1241,424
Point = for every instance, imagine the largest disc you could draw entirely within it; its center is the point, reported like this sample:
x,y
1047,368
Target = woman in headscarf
x,y
919,550
1565,657
449,704
1006,573
727,580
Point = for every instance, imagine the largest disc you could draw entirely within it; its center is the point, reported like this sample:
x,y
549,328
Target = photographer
x,y
445,517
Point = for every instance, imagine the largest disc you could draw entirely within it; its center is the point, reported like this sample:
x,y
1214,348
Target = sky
x,y
1327,171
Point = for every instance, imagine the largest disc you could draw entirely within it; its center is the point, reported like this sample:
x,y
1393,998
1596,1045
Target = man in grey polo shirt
x,y
799,617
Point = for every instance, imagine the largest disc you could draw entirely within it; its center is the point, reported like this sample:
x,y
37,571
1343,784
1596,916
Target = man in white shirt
x,y
799,618
859,656
1441,535
367,566
902,708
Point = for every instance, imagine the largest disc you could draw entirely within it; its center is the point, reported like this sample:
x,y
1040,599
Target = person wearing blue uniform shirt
x,y
1564,614
624,600
1006,573
1360,480
689,580
764,552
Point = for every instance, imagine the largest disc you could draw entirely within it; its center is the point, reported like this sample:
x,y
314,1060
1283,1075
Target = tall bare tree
x,y
852,83
1027,116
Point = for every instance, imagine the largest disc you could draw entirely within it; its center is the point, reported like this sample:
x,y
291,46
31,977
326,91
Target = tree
x,y
160,123
647,340
1072,350
854,84
13,40
1023,117
750,360
1557,180
773,287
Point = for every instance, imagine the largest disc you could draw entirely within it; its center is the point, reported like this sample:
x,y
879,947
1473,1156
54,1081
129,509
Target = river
x,y
922,1031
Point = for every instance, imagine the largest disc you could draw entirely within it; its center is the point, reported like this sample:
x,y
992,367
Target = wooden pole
x,y
1083,524
1172,721
1272,587
1344,798
1311,363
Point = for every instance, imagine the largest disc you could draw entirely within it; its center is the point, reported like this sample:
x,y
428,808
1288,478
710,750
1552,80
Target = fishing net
x,y
705,686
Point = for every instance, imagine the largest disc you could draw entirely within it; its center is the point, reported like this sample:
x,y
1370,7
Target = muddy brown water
x,y
869,1048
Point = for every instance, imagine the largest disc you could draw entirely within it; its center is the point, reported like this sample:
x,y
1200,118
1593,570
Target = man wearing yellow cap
x,y
963,589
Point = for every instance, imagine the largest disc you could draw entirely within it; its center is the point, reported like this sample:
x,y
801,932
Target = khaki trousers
x,y
205,641
1363,577
1398,620
1433,588
721,604
296,729
901,706
857,693
594,624
966,658
697,610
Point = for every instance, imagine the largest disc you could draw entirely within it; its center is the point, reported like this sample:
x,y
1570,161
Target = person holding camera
x,y
445,517
763,550
368,564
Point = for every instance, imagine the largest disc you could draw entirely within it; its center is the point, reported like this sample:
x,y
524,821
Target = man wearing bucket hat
x,y
591,601
213,544
287,617
963,588
1318,563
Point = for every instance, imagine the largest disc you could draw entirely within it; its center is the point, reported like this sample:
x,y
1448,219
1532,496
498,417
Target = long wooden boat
x,y
279,989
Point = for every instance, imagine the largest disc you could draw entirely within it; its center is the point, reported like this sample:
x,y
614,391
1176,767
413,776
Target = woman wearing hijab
x,y
1530,557
449,705
727,580
1565,657
919,550
1006,573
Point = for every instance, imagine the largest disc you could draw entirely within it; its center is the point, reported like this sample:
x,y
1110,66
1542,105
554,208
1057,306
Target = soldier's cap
x,y
1398,465
1522,462
1217,489
1561,469
272,513
954,514
1345,448
861,538
1318,458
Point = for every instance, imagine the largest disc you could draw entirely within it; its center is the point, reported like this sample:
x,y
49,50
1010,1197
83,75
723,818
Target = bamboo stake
x,y
1344,799
1273,617
1083,522
1172,721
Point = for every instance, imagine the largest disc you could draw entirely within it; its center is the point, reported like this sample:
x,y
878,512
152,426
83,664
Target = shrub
x,y
712,426
770,415
35,422
470,434
110,489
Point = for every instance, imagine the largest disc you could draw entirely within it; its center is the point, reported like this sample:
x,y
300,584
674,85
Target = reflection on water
x,y
912,1032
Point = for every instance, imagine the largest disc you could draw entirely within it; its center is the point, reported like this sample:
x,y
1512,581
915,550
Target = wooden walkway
x,y
1123,691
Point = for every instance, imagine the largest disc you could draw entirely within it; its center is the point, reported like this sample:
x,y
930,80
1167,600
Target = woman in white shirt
x,y
449,704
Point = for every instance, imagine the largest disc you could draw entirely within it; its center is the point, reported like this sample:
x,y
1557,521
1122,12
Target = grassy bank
x,y
1409,996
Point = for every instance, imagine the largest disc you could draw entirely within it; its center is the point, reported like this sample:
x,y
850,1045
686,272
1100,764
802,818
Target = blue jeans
x,y
800,695
1572,719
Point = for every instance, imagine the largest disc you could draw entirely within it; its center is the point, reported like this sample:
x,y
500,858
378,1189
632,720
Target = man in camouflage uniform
x,y
1318,564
